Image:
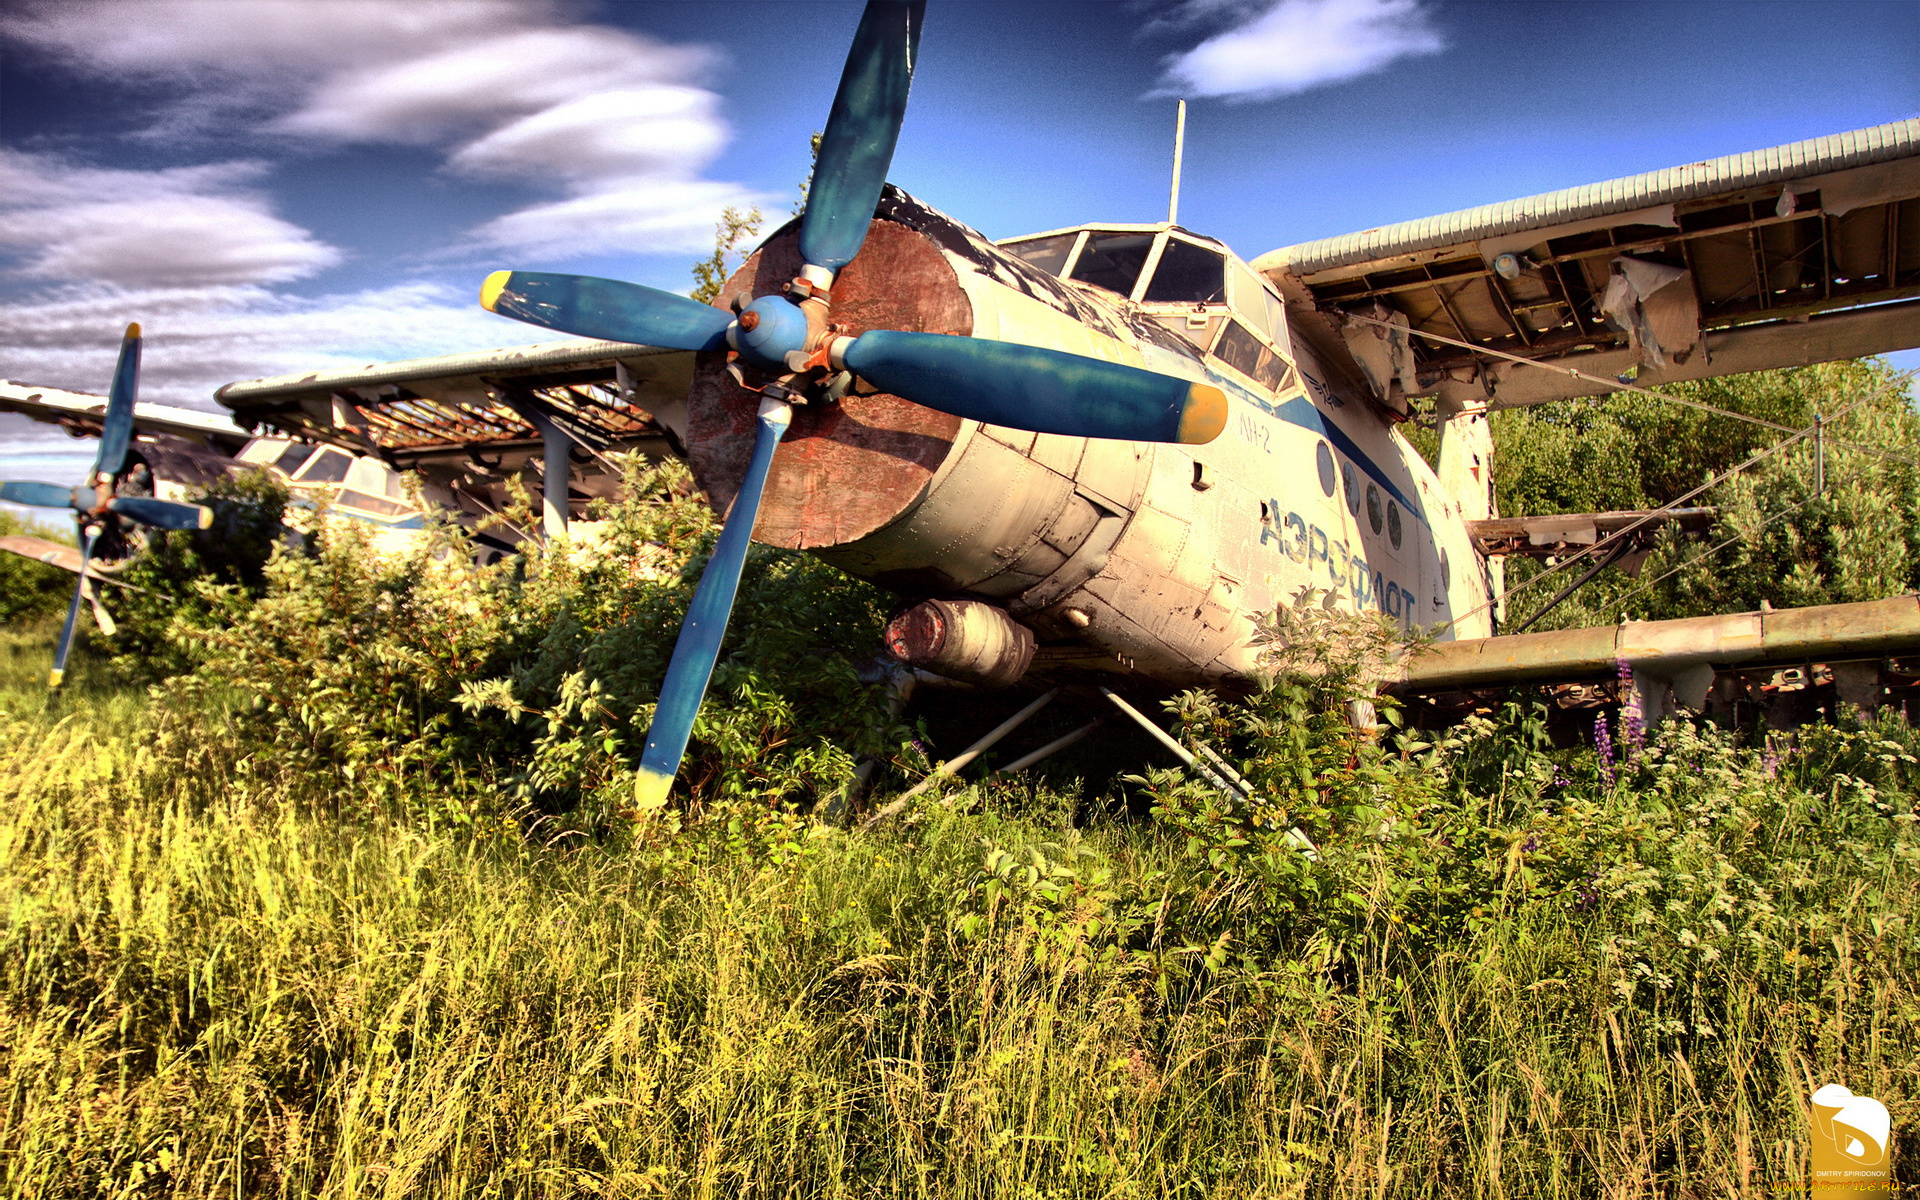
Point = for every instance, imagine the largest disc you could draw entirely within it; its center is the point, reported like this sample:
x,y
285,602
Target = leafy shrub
x,y
529,685
1788,541
160,614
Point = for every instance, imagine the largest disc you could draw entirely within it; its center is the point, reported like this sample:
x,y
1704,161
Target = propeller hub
x,y
768,330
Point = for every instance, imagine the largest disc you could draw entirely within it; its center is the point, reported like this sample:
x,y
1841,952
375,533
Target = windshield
x,y
291,458
1047,253
330,467
1188,274
1113,260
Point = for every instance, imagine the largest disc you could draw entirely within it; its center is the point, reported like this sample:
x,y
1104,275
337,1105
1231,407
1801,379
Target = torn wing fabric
x,y
1384,353
1656,306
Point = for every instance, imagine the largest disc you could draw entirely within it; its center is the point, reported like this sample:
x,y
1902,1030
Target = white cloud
x,y
424,99
647,216
1300,44
658,129
270,39
613,122
200,338
187,226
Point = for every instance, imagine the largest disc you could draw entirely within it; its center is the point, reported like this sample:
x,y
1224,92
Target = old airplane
x,y
172,454
1106,450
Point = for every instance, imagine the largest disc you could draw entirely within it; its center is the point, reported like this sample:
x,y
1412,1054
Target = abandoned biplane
x,y
167,455
186,451
1106,450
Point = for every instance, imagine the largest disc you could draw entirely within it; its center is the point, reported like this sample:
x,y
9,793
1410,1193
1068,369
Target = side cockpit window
x,y
1188,274
1242,350
1113,260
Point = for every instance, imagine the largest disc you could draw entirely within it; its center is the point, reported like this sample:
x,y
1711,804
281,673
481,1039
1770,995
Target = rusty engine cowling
x,y
962,639
844,470
916,500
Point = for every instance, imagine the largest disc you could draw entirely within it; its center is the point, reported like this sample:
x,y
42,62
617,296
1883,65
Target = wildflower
x,y
1603,744
1632,720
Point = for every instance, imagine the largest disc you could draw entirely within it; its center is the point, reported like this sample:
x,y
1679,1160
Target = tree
x,y
710,273
1781,537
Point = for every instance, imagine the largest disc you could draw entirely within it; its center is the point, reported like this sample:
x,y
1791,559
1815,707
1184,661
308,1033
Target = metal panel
x,y
1860,147
1825,633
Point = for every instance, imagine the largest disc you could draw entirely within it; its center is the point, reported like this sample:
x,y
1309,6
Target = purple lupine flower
x,y
1632,721
1770,757
1533,843
1603,744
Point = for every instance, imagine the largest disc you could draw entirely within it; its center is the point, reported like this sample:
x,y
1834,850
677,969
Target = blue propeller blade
x,y
87,534
699,646
162,514
864,124
44,495
116,428
1049,391
605,308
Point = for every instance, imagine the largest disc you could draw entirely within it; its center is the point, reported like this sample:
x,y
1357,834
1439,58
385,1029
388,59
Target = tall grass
x,y
212,985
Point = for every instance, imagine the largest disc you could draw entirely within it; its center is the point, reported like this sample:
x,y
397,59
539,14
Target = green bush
x,y
1788,543
529,685
1513,971
161,615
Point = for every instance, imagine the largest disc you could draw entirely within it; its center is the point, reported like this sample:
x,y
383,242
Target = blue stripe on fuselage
x,y
1299,412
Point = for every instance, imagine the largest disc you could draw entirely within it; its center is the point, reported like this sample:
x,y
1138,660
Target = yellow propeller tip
x,y
54,677
133,329
206,517
491,289
1204,415
650,789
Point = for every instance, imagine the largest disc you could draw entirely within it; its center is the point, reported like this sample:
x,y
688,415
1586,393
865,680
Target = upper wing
x,y
460,419
1799,254
79,413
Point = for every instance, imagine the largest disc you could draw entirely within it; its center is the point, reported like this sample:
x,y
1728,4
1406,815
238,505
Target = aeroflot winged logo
x,y
1850,1144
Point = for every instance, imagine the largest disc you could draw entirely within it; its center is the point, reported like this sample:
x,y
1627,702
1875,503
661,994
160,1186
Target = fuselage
x,y
1151,558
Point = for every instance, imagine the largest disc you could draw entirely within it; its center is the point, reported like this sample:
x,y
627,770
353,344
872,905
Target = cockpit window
x,y
1241,350
1188,274
1047,253
330,467
1113,260
291,458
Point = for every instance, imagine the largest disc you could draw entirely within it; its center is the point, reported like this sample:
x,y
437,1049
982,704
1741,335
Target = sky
x,y
280,185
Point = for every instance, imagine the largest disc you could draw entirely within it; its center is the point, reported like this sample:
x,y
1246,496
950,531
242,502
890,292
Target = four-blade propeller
x,y
94,503
787,338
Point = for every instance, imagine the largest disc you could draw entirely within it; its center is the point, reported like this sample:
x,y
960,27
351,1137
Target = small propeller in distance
x,y
88,535
44,495
116,425
93,500
162,514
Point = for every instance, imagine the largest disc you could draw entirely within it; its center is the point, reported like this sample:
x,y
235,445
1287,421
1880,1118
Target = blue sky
x,y
284,184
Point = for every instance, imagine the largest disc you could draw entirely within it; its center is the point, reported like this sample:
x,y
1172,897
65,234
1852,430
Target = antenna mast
x,y
1179,143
